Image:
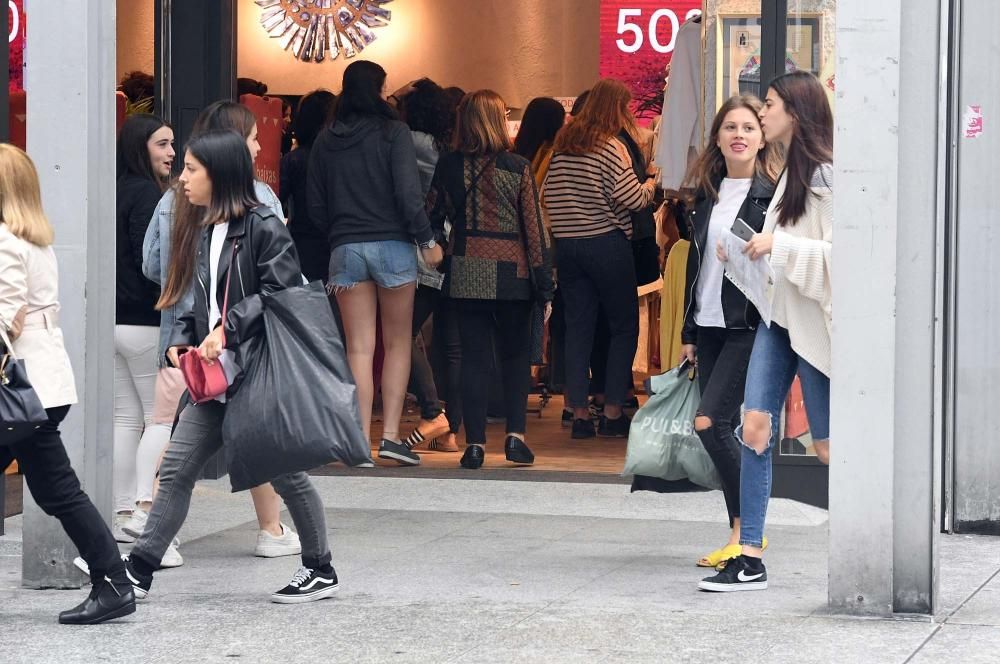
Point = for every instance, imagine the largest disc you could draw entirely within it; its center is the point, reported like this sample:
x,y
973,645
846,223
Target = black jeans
x,y
55,487
446,349
425,302
599,357
723,358
593,273
481,324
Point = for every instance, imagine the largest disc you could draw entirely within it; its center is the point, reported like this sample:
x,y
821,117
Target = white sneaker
x,y
173,557
269,546
134,526
119,532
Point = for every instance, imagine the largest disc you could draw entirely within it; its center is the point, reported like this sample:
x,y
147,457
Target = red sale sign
x,y
637,40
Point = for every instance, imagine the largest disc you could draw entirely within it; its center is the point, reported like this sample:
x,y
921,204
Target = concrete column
x,y
70,81
885,469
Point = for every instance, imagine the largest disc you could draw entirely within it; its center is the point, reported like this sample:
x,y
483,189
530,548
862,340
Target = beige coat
x,y
29,279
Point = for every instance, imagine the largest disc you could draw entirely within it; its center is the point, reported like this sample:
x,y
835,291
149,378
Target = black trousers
x,y
723,357
483,325
55,487
599,357
594,273
446,351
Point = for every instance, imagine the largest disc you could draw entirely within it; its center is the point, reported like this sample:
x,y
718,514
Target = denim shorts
x,y
389,263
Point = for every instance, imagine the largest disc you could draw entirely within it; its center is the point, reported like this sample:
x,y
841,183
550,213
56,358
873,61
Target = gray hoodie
x,y
364,185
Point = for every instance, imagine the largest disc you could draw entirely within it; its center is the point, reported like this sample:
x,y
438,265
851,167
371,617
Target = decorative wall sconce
x,y
311,29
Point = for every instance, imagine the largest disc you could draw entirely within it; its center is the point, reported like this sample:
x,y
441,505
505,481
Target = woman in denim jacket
x,y
274,538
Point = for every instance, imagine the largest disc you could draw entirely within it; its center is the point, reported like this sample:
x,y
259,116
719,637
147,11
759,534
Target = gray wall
x,y
976,489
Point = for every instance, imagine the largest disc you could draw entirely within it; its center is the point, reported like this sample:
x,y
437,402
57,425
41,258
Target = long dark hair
x,y
428,109
188,219
225,156
313,111
361,95
132,150
709,168
812,139
543,118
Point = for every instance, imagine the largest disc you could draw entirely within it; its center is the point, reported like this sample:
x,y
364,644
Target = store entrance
x,y
202,49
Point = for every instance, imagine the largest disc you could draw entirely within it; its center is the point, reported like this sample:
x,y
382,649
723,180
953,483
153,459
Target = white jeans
x,y
138,441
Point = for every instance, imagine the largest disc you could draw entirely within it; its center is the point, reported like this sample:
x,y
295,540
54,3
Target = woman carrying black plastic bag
x,y
241,235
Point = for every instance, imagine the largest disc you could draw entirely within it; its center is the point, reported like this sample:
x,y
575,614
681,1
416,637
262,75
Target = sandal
x,y
442,445
720,557
428,430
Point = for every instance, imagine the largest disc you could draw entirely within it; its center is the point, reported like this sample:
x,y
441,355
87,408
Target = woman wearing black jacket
x,y
732,182
145,154
244,236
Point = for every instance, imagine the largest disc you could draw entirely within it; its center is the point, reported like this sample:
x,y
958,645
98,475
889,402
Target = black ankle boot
x,y
518,452
106,602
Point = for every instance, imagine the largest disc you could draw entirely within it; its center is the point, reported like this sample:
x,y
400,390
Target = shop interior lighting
x,y
313,30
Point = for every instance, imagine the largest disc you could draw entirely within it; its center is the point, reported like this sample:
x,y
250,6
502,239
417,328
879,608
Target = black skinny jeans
x,y
723,357
481,324
593,273
446,351
55,487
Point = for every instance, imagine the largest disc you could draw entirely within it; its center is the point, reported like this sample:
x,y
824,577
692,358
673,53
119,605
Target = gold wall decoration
x,y
314,29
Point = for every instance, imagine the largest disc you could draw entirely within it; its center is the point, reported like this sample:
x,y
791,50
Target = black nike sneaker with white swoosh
x,y
741,573
308,585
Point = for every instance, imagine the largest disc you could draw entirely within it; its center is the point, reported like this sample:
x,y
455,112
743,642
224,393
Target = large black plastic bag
x,y
296,407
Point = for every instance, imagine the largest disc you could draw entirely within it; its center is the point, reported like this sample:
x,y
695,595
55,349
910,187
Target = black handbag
x,y
645,251
21,411
296,407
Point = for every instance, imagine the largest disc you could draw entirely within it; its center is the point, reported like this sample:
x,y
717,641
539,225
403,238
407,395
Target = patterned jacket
x,y
498,249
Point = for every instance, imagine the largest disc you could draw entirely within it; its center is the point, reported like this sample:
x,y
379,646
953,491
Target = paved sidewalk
x,y
490,571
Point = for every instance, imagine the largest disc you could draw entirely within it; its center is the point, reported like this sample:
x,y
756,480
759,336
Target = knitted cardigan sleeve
x,y
806,260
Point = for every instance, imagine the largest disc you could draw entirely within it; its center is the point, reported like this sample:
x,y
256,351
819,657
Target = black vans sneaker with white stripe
x,y
308,585
741,573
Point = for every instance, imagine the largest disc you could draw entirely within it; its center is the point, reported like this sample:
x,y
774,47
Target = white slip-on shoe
x,y
173,557
120,535
269,546
134,526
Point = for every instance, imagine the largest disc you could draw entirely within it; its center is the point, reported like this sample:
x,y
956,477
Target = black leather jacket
x,y
266,262
738,312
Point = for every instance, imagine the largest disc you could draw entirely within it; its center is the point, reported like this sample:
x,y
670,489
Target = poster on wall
x,y
637,41
270,125
741,49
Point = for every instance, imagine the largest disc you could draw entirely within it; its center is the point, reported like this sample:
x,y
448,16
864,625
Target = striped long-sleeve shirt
x,y
591,194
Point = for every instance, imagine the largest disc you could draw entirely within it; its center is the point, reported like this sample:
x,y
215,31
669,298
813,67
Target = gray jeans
x,y
196,439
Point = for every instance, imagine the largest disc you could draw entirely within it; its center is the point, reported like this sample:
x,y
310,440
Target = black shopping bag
x,y
296,407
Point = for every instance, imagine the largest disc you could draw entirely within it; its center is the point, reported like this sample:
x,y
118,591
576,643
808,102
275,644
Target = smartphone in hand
x,y
742,230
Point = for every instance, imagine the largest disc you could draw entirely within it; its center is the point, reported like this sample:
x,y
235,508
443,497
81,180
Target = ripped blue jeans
x,y
773,366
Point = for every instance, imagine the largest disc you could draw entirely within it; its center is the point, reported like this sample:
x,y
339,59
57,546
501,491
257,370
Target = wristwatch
x,y
430,244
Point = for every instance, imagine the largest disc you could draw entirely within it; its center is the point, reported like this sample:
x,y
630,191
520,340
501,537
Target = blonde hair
x,y
21,198
605,114
481,126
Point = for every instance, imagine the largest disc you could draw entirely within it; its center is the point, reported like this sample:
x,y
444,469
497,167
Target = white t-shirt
x,y
732,193
219,232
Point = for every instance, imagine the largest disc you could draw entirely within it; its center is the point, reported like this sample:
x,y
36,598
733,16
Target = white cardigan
x,y
29,278
801,258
